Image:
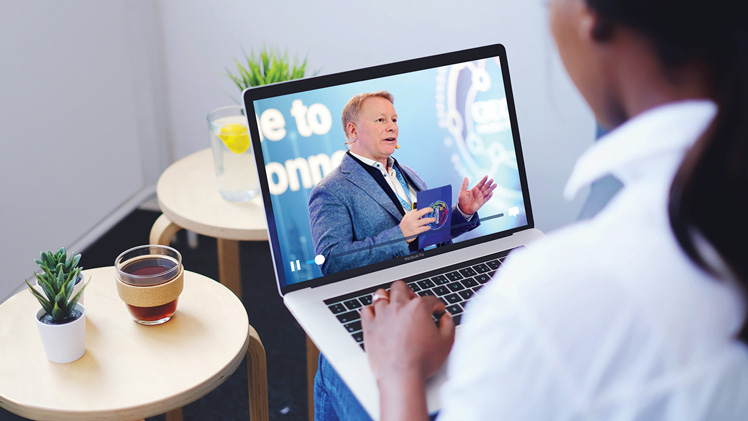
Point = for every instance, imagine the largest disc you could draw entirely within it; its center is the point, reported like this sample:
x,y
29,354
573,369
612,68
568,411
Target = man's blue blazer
x,y
354,223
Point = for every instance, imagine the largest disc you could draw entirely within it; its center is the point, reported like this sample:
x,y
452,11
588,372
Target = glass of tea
x,y
149,281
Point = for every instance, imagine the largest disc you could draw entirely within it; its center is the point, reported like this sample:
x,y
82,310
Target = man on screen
x,y
361,213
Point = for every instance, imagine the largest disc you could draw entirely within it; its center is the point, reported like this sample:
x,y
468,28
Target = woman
x,y
640,312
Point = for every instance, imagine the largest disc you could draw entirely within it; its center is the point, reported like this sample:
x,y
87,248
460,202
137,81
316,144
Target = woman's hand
x,y
413,223
405,347
471,200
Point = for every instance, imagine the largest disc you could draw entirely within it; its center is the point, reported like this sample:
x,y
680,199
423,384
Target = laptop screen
x,y
455,118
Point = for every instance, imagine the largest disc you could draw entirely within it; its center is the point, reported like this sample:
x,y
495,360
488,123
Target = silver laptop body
x,y
460,105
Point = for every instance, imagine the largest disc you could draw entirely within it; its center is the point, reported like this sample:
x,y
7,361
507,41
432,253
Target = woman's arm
x,y
405,347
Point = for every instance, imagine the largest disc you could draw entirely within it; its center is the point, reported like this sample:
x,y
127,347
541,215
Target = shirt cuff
x,y
464,215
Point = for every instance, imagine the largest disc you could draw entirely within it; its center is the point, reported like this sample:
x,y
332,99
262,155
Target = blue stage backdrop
x,y
453,123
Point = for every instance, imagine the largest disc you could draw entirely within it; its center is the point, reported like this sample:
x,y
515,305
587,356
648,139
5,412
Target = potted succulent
x,y
62,319
59,261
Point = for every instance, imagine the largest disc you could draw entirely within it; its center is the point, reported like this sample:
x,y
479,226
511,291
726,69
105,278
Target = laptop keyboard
x,y
454,285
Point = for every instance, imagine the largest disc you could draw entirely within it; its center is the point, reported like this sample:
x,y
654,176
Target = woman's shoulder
x,y
629,242
587,315
621,273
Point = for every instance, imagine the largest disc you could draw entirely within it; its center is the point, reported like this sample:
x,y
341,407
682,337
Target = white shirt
x,y
391,177
607,319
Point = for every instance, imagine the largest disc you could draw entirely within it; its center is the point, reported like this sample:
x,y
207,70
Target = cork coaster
x,y
151,296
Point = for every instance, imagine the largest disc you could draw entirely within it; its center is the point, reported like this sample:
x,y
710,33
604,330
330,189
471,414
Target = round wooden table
x,y
188,196
129,371
189,199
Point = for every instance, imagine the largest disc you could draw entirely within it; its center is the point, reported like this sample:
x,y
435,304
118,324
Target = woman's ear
x,y
594,27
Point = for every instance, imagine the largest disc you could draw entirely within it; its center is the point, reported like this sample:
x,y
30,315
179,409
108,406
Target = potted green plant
x,y
266,68
62,319
59,261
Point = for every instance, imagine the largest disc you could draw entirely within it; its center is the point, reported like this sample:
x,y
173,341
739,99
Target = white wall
x,y
201,38
80,146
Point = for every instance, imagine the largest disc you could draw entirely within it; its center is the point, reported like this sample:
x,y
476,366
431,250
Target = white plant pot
x,y
63,343
76,288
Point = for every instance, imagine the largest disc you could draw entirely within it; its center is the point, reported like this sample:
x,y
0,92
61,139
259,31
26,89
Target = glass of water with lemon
x,y
232,153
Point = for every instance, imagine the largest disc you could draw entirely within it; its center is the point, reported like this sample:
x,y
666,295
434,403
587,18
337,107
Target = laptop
x,y
456,119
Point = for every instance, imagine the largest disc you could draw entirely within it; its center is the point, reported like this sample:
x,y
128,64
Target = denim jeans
x,y
333,400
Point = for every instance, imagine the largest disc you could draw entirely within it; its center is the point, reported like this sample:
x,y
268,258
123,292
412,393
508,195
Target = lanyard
x,y
406,205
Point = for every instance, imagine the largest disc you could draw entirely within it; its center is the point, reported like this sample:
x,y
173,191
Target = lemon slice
x,y
235,137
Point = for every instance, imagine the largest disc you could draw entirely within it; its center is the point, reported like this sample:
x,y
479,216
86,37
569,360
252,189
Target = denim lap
x,y
332,399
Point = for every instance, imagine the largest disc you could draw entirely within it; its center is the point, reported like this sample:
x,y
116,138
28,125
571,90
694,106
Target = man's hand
x,y
413,223
471,200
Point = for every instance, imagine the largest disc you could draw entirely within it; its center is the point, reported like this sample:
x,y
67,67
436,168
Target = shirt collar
x,y
666,129
372,163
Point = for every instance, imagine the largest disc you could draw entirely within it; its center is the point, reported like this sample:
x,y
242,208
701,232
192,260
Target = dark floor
x,y
282,337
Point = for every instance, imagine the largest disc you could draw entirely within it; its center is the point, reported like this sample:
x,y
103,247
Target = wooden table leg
x,y
174,415
163,231
312,357
257,377
229,270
